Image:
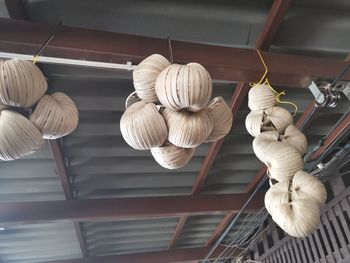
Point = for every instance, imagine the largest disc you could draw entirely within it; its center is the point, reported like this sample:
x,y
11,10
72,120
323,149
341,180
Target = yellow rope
x,y
267,83
35,59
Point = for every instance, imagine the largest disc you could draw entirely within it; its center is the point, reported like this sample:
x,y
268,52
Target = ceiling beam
x,y
223,63
180,225
121,208
220,228
237,99
167,256
62,173
16,9
272,23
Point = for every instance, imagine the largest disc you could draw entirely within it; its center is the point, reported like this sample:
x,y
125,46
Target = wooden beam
x,y
305,119
220,228
237,99
223,63
180,225
64,179
16,9
121,208
167,256
272,23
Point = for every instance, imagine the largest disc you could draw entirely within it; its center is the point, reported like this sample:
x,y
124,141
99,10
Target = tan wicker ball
x,y
18,136
298,218
171,156
22,83
262,141
296,138
143,127
295,215
254,122
277,118
307,186
145,75
261,97
222,117
184,87
283,161
55,115
188,129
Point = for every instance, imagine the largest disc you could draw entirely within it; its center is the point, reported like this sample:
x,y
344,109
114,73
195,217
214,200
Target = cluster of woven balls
x,y
294,201
173,113
23,86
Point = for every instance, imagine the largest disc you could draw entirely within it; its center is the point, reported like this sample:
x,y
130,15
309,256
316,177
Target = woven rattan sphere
x,y
261,97
143,127
188,129
283,161
254,122
307,186
296,138
18,136
145,75
22,83
262,141
171,156
55,115
184,87
222,116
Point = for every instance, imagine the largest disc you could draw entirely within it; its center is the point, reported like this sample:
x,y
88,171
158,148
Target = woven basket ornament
x,y
222,116
262,141
18,136
261,97
188,129
271,119
171,156
296,138
145,75
22,83
55,115
184,87
287,208
283,161
143,127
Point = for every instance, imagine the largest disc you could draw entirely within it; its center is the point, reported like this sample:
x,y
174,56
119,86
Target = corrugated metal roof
x,y
38,243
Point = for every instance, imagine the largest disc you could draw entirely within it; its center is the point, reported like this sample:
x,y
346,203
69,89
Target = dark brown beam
x,y
121,208
308,115
172,255
237,99
16,9
180,225
272,23
64,179
223,63
220,228
337,132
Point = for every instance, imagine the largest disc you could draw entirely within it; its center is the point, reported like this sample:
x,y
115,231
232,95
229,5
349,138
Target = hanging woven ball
x,y
55,115
261,97
296,138
171,156
143,127
277,194
283,161
184,87
188,129
254,122
22,83
277,118
307,186
222,116
18,136
145,75
262,141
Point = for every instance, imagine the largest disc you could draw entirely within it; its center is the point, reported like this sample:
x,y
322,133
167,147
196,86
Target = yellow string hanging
x,y
35,59
264,80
